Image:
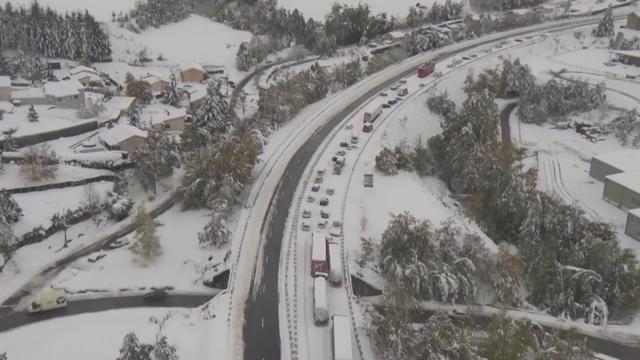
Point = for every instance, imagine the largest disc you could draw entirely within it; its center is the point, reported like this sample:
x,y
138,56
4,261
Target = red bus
x,y
425,69
319,265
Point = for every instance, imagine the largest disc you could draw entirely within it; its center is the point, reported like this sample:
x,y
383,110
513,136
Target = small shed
x,y
66,93
623,190
194,73
123,137
157,84
172,119
633,21
633,224
5,88
629,57
614,163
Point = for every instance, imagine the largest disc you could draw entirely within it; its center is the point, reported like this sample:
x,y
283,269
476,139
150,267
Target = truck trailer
x,y
319,266
335,264
425,69
372,114
341,338
320,304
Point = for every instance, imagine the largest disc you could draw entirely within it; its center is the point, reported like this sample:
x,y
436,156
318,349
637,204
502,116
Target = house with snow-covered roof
x,y
162,117
5,88
193,73
633,20
65,93
157,85
123,137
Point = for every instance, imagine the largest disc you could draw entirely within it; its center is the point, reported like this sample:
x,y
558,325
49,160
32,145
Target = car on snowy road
x,y
306,214
324,202
315,188
156,295
324,214
306,226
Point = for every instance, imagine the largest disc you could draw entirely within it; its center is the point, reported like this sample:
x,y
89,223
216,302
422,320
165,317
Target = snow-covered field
x,y
196,333
50,118
11,177
318,9
183,265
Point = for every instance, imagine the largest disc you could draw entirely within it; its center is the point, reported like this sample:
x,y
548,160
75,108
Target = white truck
x,y
335,264
48,300
372,114
319,266
341,338
320,304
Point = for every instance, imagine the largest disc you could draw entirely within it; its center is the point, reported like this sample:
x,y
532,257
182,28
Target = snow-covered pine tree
x,y
163,350
507,278
215,233
171,96
508,339
146,246
131,349
213,114
627,128
440,338
156,158
10,211
605,26
135,114
32,115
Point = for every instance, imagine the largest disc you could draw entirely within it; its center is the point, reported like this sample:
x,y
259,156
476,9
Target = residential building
x,y
87,76
623,190
633,21
614,163
116,107
214,69
123,137
632,227
5,88
66,93
195,73
157,85
630,57
166,118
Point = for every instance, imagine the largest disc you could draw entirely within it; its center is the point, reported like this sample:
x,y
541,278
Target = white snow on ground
x,y
196,333
39,206
318,9
12,179
195,40
182,265
101,9
50,118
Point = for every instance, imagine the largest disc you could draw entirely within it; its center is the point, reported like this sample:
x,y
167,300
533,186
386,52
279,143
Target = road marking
x,y
263,323
266,259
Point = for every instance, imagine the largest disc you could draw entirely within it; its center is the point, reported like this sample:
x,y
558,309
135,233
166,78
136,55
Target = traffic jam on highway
x,y
324,236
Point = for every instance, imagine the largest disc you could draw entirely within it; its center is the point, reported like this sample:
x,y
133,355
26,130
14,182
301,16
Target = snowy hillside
x,y
101,9
317,9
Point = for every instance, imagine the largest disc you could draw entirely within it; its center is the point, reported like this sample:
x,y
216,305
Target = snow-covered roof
x,y
635,212
62,88
397,34
119,102
630,180
5,81
82,69
6,106
27,93
152,79
194,66
159,114
625,160
631,53
120,133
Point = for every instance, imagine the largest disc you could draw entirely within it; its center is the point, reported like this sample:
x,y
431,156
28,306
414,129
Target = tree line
x,y
42,31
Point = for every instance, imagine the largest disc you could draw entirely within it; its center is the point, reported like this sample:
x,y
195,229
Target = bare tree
x,y
39,162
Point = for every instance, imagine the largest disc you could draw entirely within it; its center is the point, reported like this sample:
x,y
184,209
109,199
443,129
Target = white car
x,y
306,226
306,214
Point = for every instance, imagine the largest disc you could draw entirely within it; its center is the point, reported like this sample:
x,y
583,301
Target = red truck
x,y
319,264
425,69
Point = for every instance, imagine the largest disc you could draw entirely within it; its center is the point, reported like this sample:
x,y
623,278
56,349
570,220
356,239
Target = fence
x,y
62,185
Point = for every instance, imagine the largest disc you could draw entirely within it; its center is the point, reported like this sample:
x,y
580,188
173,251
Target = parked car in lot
x,y
306,226
306,214
324,202
315,188
324,214
156,295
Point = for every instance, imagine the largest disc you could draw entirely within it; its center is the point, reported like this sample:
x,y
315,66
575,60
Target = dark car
x,y
344,144
156,295
392,102
519,40
324,202
324,214
386,106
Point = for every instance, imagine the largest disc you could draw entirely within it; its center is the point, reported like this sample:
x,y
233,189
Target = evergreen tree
x,y
146,246
507,339
215,233
32,115
10,211
138,89
440,338
507,278
213,114
627,128
135,114
171,97
386,162
131,349
605,26
163,350
156,158
9,142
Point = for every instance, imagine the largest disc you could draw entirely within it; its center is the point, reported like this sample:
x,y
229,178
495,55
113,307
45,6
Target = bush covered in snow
x,y
627,128
556,99
10,211
117,206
